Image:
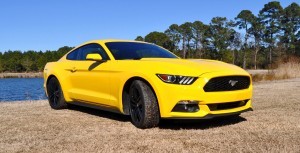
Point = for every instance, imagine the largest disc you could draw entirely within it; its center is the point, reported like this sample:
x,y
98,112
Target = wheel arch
x,y
125,92
49,77
47,81
63,85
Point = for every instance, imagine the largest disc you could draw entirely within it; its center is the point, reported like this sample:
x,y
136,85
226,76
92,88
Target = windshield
x,y
133,50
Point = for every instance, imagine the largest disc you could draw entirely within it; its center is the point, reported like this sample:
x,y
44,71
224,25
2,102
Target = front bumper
x,y
169,95
210,116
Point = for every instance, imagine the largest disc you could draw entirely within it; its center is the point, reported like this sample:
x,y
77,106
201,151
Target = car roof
x,y
111,40
100,41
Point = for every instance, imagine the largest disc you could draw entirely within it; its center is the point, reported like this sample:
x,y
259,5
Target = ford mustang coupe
x,y
146,82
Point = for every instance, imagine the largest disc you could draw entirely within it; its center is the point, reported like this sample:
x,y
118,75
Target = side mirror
x,y
94,57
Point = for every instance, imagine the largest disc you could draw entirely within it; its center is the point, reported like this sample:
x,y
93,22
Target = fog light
x,y
186,106
243,102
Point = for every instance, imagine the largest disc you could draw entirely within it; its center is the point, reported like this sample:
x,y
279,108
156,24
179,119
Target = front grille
x,y
229,105
227,83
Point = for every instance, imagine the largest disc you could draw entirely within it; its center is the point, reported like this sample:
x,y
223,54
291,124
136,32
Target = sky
x,y
51,24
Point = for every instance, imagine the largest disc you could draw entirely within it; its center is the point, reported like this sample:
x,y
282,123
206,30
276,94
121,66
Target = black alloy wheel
x,y
144,109
55,94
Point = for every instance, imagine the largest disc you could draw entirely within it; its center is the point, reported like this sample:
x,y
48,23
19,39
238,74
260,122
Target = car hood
x,y
194,67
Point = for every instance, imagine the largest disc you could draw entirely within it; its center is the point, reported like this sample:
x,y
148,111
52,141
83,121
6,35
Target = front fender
x,y
151,79
50,70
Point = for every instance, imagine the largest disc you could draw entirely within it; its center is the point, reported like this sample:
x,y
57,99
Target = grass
x,y
273,126
285,70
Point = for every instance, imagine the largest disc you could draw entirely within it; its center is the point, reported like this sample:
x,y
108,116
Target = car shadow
x,y
95,64
171,124
100,113
201,123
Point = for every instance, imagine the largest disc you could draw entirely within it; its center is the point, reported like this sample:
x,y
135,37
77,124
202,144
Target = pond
x,y
19,89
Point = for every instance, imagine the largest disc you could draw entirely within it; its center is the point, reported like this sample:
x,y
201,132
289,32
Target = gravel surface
x,y
273,126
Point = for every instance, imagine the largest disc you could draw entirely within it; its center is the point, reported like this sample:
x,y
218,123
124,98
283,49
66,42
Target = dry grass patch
x,y
288,70
273,126
285,70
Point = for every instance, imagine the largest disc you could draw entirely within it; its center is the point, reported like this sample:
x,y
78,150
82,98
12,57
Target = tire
x,y
55,94
144,109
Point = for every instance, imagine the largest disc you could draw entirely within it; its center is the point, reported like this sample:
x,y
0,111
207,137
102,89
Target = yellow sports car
x,y
146,82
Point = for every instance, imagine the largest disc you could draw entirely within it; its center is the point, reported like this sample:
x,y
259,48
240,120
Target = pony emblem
x,y
232,82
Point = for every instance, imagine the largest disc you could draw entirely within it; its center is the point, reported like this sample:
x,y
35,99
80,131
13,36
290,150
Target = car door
x,y
90,79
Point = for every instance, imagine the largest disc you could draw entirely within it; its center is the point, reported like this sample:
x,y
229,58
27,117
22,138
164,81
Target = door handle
x,y
73,69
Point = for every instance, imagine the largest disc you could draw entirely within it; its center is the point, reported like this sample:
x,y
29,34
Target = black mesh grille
x,y
229,105
227,83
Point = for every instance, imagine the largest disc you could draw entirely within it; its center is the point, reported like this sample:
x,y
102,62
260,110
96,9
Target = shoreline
x,y
22,75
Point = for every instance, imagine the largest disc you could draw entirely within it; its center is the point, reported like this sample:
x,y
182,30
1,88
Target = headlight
x,y
177,79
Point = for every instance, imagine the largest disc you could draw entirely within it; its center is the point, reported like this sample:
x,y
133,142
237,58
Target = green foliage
x,y
139,38
29,61
62,51
257,31
160,39
297,48
290,25
227,56
1,63
174,34
244,18
220,34
199,30
186,33
270,16
273,33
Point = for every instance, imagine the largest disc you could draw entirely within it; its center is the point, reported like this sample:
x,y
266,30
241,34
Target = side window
x,y
92,48
73,55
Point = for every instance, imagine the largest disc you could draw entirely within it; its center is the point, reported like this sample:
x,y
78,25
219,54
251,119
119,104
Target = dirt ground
x,y
273,126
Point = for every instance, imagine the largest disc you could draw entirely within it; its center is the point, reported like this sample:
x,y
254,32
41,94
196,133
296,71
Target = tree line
x,y
29,61
250,41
